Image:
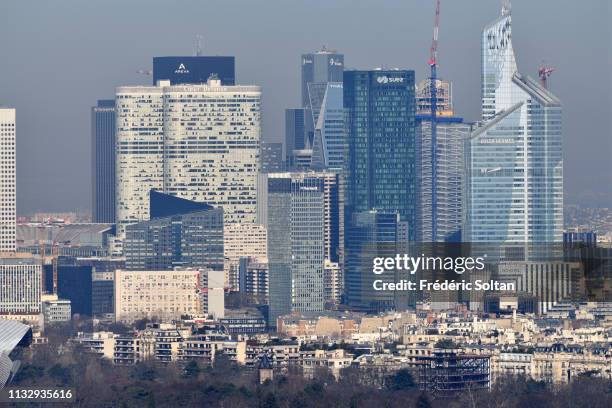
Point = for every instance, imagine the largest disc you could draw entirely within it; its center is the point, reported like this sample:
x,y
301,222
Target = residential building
x,y
163,294
55,310
212,290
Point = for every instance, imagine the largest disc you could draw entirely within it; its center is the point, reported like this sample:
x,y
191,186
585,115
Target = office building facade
x,y
515,159
329,144
197,142
239,241
139,151
295,206
103,161
451,134
372,234
20,285
319,67
8,180
381,171
184,237
271,157
194,69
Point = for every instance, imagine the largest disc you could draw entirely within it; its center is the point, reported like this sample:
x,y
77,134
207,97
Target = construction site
x,y
446,372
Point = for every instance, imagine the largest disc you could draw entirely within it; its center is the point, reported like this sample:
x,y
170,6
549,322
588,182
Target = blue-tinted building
x,y
329,145
103,161
74,283
180,233
319,67
299,133
372,234
514,183
194,69
381,133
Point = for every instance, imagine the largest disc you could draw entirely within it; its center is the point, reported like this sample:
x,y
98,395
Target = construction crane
x,y
433,64
544,72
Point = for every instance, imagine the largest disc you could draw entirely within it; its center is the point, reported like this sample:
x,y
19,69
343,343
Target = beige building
x,y
241,241
164,294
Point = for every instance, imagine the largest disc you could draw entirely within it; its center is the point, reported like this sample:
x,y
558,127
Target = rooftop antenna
x,y
199,40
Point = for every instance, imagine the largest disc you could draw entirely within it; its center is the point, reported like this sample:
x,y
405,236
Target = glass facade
x,y
515,159
103,161
451,134
329,146
381,133
295,206
187,238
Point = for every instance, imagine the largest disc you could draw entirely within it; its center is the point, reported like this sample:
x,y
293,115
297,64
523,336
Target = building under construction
x,y
445,373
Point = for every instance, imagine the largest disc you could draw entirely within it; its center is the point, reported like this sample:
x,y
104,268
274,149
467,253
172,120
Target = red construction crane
x,y
544,72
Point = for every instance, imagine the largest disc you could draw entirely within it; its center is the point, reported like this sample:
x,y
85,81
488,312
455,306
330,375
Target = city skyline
x,y
62,110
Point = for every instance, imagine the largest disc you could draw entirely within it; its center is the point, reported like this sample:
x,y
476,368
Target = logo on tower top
x,y
181,69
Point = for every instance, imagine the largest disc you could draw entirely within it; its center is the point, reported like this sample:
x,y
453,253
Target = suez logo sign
x,y
181,69
384,79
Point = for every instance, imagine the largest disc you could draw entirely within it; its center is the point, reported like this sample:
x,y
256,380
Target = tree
x,y
423,401
192,370
445,344
401,380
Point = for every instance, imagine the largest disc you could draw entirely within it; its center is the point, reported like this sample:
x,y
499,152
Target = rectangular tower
x,y
295,206
381,172
103,161
8,180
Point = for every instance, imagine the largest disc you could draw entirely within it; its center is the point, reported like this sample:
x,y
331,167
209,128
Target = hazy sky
x,y
58,57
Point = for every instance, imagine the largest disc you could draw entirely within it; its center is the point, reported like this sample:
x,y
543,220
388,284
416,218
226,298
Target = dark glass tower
x,y
103,161
380,121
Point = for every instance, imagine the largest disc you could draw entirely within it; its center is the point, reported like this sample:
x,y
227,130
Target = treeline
x,y
100,384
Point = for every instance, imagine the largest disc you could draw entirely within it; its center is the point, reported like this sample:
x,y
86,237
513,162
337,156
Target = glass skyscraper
x,y
296,207
515,159
380,121
103,161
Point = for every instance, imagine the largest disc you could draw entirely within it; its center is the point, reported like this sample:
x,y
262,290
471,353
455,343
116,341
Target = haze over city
x,y
59,57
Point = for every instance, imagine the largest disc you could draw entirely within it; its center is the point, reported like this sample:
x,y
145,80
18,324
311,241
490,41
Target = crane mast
x,y
433,64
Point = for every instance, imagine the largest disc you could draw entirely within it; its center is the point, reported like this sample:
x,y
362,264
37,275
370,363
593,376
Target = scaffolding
x,y
445,373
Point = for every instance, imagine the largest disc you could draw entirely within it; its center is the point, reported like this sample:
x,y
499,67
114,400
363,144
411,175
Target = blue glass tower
x,y
103,161
381,136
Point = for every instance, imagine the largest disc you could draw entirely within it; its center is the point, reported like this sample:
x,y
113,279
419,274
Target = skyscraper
x,y
319,67
381,172
195,69
515,159
295,205
198,142
451,134
103,161
8,211
329,144
298,121
212,137
20,286
139,151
